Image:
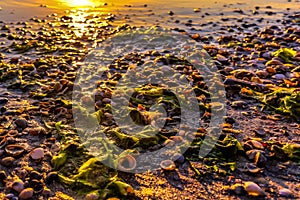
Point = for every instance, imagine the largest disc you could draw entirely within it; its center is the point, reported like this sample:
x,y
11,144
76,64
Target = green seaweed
x,y
59,160
292,151
285,54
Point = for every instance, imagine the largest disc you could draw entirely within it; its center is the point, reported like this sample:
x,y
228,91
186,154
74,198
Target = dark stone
x,y
52,176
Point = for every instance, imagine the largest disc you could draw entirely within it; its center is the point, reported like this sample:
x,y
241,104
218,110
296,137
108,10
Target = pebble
x,y
171,13
279,76
26,193
3,175
238,104
196,10
274,62
37,153
18,185
253,189
52,176
21,122
285,192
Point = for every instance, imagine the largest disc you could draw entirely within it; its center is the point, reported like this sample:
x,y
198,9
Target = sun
x,y
76,3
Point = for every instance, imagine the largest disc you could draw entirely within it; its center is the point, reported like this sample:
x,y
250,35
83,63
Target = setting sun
x,y
77,3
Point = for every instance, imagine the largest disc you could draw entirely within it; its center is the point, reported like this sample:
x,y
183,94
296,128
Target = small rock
x,y
253,189
37,154
36,175
52,176
26,193
238,104
274,62
196,10
261,73
285,192
92,196
222,59
238,189
46,192
171,13
21,122
279,76
18,185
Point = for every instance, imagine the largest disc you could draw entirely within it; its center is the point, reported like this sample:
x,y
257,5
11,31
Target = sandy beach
x,y
120,99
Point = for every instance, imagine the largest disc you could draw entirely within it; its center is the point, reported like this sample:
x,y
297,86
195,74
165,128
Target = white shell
x,y
253,189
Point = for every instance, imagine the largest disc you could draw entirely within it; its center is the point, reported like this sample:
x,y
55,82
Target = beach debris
x,y
168,165
253,189
26,193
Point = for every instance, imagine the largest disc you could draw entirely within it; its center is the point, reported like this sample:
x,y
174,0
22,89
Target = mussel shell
x,y
14,150
168,165
127,163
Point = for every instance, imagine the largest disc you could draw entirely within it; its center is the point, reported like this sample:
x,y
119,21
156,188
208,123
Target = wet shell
x,y
253,169
167,165
127,163
7,161
14,150
253,189
252,153
285,192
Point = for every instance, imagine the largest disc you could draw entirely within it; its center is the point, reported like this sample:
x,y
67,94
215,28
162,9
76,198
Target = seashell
x,y
253,144
271,70
14,150
253,189
259,158
37,186
260,132
167,165
18,185
3,141
92,196
37,131
46,192
26,193
253,169
127,163
13,133
284,192
37,154
7,161
252,153
21,122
